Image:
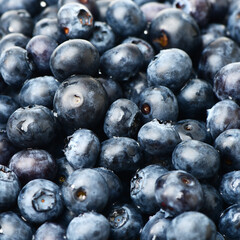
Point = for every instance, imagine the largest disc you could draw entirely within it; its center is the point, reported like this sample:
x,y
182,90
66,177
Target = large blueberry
x,y
80,102
75,56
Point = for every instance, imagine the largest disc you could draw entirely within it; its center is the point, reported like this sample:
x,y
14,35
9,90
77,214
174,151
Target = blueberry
x,y
229,187
102,37
49,27
193,129
89,225
217,54
51,231
198,9
199,96
125,18
85,190
170,68
126,222
80,102
82,149
142,188
156,227
31,127
145,48
38,91
13,227
178,191
198,158
158,102
15,66
226,82
39,201
123,119
31,164
10,188
185,35
121,62
227,145
76,20
120,154
158,138
17,21
222,116
229,222
233,25
75,56
40,49
196,226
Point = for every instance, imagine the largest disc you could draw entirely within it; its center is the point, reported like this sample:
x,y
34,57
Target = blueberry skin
x,y
233,25
76,20
31,164
145,48
15,66
49,27
17,21
178,191
158,102
38,91
198,158
85,190
224,51
102,37
229,187
7,106
7,149
64,169
170,68
125,18
80,102
13,39
142,188
40,49
158,138
121,62
40,200
193,129
114,183
89,225
10,188
76,56
213,202
126,222
31,127
222,116
13,227
113,89
229,222
51,231
185,36
120,154
196,226
227,145
82,149
199,96
156,227
123,119
226,83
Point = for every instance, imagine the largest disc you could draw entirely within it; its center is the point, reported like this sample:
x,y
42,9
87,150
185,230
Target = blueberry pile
x,y
120,120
